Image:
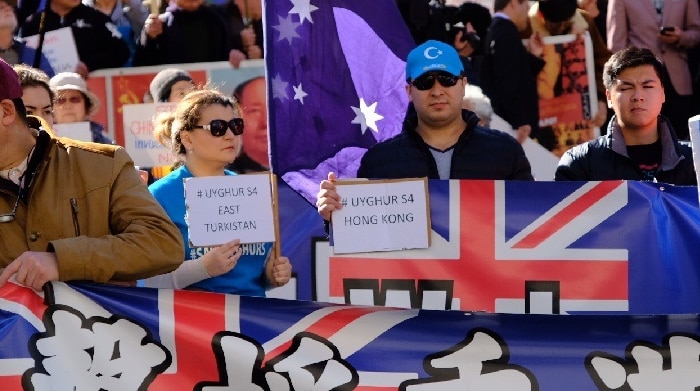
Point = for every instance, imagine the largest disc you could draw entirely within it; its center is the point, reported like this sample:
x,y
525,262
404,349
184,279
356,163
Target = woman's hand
x,y
220,260
278,271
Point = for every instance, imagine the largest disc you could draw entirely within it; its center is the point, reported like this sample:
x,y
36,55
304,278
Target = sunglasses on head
x,y
218,127
426,82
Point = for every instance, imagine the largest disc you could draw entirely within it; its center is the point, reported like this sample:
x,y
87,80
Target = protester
x,y
97,40
37,94
640,144
75,103
73,210
439,140
12,49
188,31
638,23
509,70
171,85
205,132
128,16
560,17
254,156
244,19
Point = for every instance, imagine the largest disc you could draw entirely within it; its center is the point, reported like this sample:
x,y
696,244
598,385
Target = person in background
x,y
12,49
37,94
244,19
639,23
129,19
75,103
171,85
561,17
439,139
641,144
97,39
509,70
188,31
205,132
474,100
254,157
71,210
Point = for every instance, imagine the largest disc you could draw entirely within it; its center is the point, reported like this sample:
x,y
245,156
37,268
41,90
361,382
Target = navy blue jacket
x,y
605,158
480,153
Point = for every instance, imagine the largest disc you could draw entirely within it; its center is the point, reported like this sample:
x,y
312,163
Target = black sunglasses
x,y
218,127
426,82
10,217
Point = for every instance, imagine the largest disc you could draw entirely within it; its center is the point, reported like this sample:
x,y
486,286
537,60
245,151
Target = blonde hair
x,y
169,125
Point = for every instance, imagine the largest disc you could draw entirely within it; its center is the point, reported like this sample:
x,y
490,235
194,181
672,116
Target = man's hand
x,y
671,37
327,200
235,57
278,271
32,269
535,45
523,132
153,26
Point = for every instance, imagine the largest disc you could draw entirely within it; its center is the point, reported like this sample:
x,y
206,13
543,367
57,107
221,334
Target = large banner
x,y
99,337
535,247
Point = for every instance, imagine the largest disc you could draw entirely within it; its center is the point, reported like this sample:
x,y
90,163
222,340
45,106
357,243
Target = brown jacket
x,y
86,203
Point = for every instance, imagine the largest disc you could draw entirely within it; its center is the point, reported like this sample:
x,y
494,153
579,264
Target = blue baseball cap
x,y
433,56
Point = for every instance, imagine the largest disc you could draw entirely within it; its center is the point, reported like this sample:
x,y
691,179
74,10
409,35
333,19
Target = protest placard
x,y
76,130
223,208
59,48
383,215
139,141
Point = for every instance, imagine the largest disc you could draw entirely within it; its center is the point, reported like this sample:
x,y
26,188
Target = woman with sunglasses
x,y
73,102
205,131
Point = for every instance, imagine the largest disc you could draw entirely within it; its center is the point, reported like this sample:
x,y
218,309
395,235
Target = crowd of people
x,y
469,80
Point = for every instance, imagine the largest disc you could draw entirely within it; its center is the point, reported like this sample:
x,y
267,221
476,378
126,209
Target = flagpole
x,y
42,33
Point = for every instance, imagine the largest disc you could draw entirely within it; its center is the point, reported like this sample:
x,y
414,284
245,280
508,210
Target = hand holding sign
x,y
381,216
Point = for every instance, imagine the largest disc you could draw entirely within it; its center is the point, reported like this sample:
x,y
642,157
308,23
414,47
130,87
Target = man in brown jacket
x,y
71,210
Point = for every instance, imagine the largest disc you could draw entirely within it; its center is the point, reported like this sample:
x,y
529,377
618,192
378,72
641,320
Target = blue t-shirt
x,y
247,277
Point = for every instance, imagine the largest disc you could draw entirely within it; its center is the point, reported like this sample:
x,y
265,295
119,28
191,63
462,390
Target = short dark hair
x,y
33,77
499,5
630,57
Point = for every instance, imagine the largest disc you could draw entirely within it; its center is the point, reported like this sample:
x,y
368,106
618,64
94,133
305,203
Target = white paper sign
x,y
139,141
59,49
381,216
224,208
76,130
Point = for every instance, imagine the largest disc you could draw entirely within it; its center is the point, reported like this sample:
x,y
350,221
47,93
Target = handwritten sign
x,y
223,208
139,142
76,130
59,49
381,216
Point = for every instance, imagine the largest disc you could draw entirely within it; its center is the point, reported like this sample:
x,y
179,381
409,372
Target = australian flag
x,y
336,84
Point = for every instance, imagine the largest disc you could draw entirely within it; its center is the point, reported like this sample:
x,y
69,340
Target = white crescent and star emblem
x,y
427,54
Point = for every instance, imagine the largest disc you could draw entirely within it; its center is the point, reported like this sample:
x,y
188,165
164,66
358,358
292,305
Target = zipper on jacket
x,y
74,209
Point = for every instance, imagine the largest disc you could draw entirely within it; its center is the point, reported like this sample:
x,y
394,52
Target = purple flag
x,y
336,84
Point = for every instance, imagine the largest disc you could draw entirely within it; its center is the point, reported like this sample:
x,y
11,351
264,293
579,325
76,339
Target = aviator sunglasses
x,y
427,82
218,127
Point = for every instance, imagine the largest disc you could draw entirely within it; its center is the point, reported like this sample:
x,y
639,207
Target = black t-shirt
x,y
647,158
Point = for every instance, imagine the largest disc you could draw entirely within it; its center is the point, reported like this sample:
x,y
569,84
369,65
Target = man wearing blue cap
x,y
439,140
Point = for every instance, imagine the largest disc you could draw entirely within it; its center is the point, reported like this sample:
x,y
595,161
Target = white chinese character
x,y
310,364
96,354
674,366
480,349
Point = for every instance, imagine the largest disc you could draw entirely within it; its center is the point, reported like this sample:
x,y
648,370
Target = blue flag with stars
x,y
336,84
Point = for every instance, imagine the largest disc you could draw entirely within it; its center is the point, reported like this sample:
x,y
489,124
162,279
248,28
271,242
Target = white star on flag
x,y
366,117
303,8
279,88
287,28
299,93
